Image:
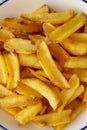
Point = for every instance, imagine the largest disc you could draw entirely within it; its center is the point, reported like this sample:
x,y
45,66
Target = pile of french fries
x,y
43,66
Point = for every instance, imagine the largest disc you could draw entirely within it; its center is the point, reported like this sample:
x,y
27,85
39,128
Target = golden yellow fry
x,y
35,74
54,18
3,70
30,60
13,67
28,113
59,53
81,73
80,37
44,90
77,93
27,91
54,118
76,62
68,28
14,101
50,67
19,45
32,27
74,47
48,28
4,91
5,35
66,95
85,97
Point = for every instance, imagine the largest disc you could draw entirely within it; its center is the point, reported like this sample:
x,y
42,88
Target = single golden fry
x,y
76,62
54,18
13,67
27,91
80,37
51,69
29,60
28,113
43,89
20,46
3,71
14,101
59,53
32,27
5,35
74,47
68,28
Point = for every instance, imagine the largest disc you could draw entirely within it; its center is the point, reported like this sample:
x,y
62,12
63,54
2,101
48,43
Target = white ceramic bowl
x,y
12,8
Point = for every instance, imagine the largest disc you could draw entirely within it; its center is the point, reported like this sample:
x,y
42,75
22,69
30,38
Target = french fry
x,y
51,69
4,91
74,47
14,101
59,53
48,28
28,113
29,28
54,18
20,46
29,60
68,28
5,35
13,68
80,37
85,97
66,95
76,62
81,73
27,91
3,71
43,89
54,118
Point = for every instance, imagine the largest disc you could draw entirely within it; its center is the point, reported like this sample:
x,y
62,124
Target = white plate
x,y
10,8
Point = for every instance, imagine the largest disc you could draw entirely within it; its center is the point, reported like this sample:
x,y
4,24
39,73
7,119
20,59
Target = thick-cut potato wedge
x,y
36,37
3,71
28,113
14,101
5,35
54,118
32,27
13,67
20,46
74,47
4,91
27,91
44,90
76,62
80,37
29,60
59,53
54,18
50,67
68,28
66,95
